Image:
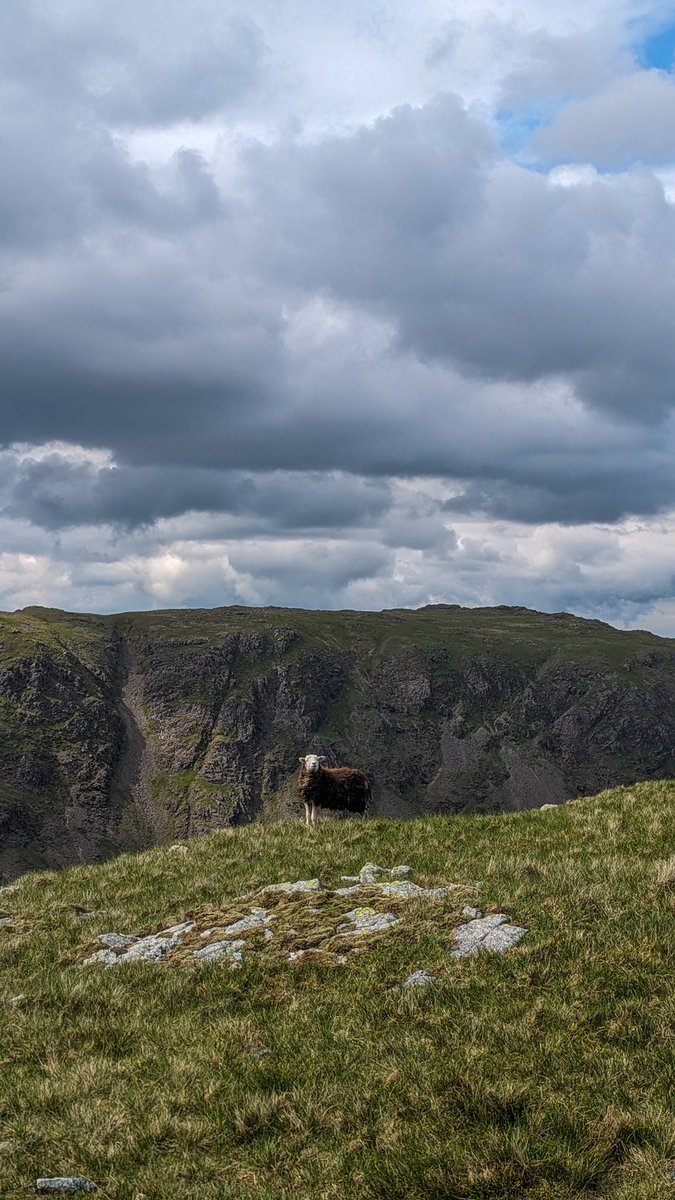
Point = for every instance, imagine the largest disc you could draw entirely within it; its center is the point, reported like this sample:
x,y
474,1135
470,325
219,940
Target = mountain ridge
x,y
127,730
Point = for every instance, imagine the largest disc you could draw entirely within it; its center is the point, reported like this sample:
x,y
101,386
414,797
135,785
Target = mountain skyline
x,y
360,308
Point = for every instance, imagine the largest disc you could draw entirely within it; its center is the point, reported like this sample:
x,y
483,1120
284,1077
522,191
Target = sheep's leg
x,y
307,811
314,814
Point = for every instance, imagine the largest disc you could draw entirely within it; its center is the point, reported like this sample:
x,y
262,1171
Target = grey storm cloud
x,y
149,307
56,493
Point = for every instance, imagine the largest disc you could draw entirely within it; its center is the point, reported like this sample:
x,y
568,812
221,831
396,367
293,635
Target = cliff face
x,y
117,733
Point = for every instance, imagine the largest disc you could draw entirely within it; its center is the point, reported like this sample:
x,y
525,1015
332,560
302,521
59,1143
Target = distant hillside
x,y
121,732
304,1041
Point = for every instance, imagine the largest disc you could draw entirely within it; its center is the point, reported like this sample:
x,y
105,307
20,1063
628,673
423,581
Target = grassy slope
x,y
545,1073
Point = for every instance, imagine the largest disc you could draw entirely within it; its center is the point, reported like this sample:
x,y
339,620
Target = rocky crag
x,y
126,731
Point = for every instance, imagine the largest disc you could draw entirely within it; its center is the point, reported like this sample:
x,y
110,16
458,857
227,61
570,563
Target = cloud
x,y
632,120
283,320
136,63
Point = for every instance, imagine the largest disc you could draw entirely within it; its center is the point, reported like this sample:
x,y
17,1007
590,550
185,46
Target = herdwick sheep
x,y
331,787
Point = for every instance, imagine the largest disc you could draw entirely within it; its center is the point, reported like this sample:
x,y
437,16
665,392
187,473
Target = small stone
x,y
260,1052
17,999
401,870
184,928
178,846
7,1146
8,921
268,935
418,979
348,891
543,806
66,1183
472,913
296,954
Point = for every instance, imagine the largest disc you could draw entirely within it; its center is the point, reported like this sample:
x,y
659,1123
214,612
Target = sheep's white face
x,y
312,762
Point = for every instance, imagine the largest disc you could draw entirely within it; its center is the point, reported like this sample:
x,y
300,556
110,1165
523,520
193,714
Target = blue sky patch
x,y
515,127
658,50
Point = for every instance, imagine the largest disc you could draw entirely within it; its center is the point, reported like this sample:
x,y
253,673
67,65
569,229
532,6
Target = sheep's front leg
x,y
314,814
307,812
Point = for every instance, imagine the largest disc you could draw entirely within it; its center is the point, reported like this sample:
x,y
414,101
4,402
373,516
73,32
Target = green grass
x,y
545,1073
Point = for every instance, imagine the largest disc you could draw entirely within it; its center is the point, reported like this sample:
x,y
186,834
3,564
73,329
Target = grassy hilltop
x,y
122,732
545,1072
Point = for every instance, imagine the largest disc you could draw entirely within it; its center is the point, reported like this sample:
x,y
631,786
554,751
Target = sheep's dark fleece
x,y
344,788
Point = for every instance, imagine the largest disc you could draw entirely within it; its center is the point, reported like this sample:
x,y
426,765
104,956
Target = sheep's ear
x,y
301,760
322,758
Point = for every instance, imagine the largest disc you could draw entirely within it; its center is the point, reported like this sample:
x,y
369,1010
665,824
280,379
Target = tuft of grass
x,y
543,1073
665,875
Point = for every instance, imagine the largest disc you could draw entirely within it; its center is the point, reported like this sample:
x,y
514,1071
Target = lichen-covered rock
x,y
369,873
418,979
491,933
117,941
149,948
229,949
108,957
367,920
125,948
185,927
259,918
407,890
299,885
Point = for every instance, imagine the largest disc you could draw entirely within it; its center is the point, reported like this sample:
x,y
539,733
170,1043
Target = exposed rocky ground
x,y
301,918
122,732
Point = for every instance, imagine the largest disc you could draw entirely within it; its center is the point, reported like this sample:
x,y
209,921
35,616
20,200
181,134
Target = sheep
x,y
331,787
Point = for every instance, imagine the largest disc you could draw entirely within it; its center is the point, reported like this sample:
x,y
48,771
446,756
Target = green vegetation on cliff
x,y
543,1073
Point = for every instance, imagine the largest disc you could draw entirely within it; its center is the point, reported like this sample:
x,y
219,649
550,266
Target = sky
x,y
361,306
